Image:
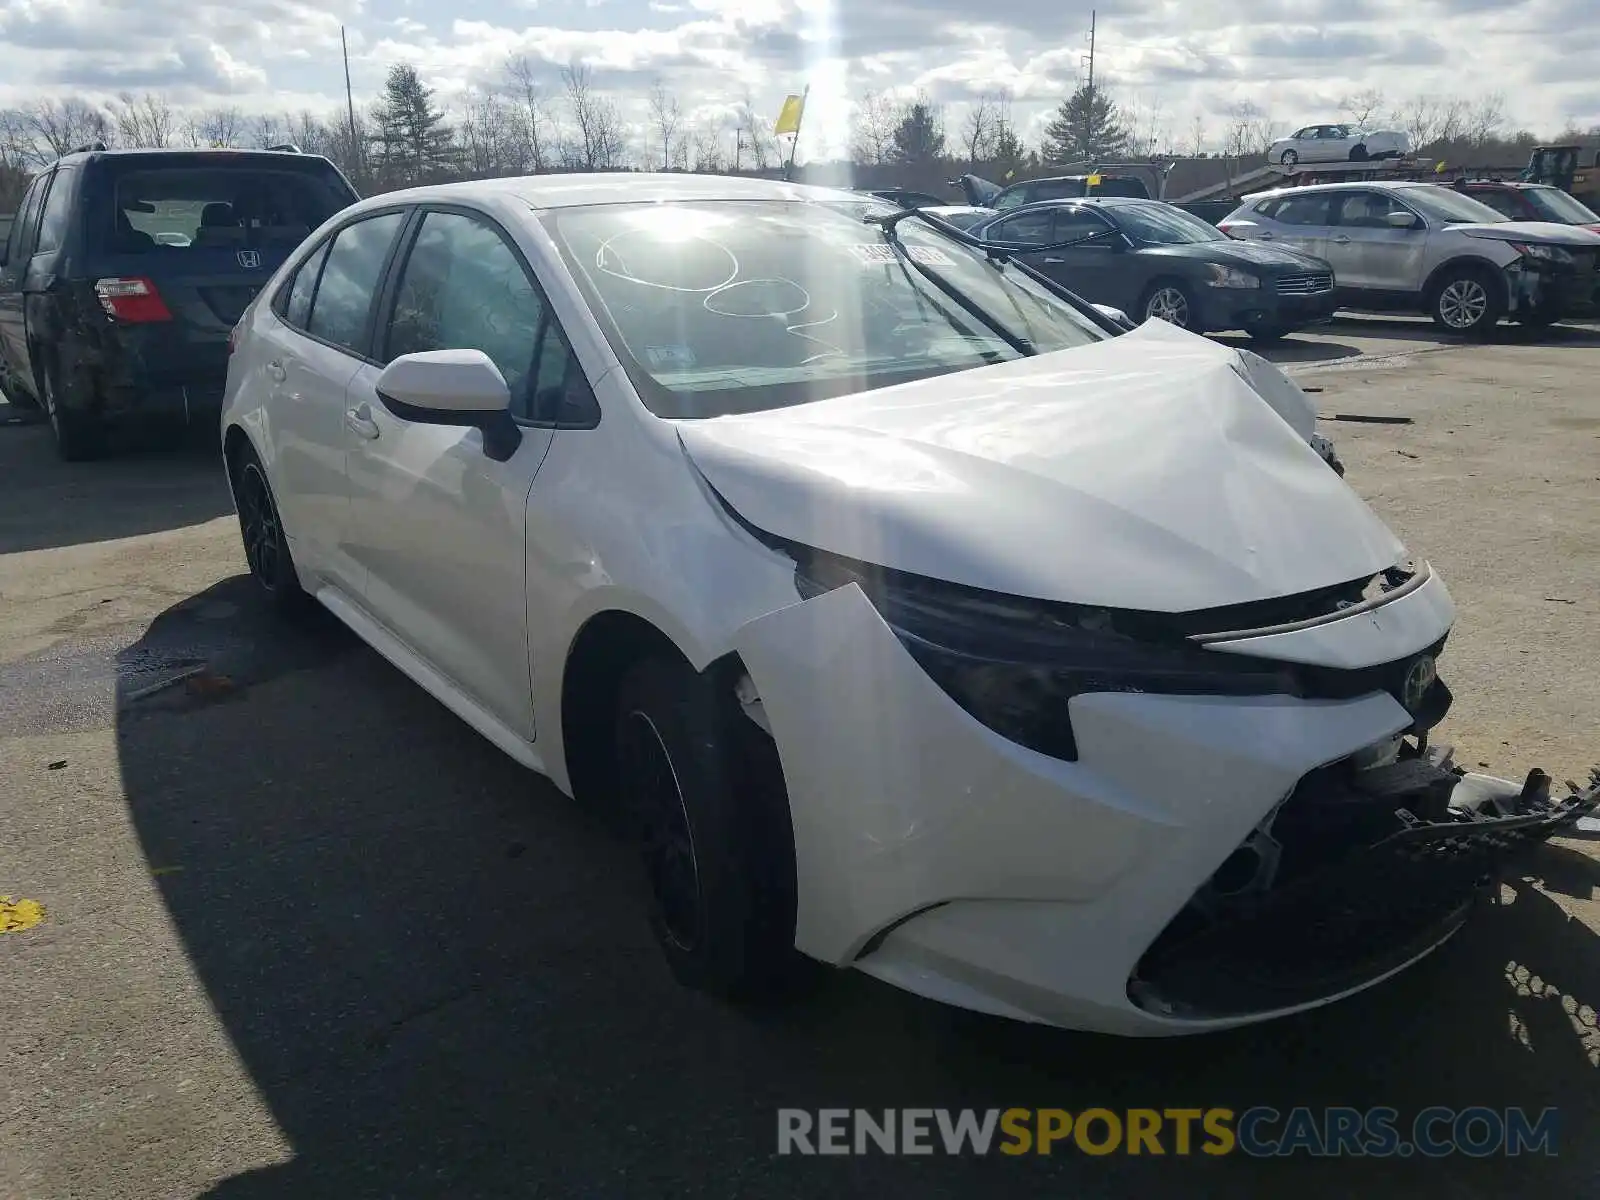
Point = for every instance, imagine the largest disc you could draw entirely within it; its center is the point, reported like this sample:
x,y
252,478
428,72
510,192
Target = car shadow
x,y
1296,348
158,478
436,972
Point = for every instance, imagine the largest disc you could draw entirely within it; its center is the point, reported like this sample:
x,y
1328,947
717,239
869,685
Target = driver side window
x,y
1024,229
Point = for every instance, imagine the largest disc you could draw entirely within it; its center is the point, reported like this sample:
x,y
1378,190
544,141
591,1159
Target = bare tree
x,y
1361,107
665,117
1454,114
754,133
145,121
600,142
489,136
977,133
264,130
1197,135
538,125
1423,118
1485,118
213,127
56,127
705,150
872,128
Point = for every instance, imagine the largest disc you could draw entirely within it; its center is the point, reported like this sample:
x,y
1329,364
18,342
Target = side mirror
x,y
1115,315
453,387
1401,220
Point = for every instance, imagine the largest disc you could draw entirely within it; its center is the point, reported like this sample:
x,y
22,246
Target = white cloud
x,y
1293,58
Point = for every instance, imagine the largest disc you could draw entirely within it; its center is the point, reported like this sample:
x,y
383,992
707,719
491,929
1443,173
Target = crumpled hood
x,y
1547,232
1138,472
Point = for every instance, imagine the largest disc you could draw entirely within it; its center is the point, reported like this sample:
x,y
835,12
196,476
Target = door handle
x,y
360,422
1342,240
1054,261
1267,235
276,372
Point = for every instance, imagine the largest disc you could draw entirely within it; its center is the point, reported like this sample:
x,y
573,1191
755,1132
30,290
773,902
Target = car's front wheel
x,y
1466,300
1167,300
266,548
714,836
1268,333
1288,158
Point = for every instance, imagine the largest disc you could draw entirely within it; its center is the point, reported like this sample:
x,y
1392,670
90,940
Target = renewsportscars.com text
x,y
1260,1132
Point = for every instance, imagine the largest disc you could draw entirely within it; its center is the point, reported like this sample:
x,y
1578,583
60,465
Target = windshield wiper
x,y
1000,254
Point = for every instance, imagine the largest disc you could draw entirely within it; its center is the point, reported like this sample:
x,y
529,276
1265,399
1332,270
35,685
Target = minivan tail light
x,y
133,299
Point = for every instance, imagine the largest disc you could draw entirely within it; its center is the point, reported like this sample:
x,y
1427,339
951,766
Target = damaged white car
x,y
919,619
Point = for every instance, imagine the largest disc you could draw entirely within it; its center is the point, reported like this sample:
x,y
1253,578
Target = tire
x,y
1358,154
1466,300
21,400
1268,333
80,437
1288,158
1165,300
266,548
714,836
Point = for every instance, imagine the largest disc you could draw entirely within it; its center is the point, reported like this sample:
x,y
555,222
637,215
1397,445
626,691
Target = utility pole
x,y
356,157
1088,108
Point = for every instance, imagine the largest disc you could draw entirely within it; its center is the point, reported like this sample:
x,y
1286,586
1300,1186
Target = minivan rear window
x,y
165,209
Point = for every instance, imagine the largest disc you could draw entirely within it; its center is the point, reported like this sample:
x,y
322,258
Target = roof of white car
x,y
621,187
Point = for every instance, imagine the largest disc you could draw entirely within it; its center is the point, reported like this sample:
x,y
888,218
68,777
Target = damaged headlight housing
x,y
1550,254
1014,664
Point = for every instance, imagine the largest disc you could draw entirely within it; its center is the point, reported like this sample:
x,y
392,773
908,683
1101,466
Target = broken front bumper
x,y
937,855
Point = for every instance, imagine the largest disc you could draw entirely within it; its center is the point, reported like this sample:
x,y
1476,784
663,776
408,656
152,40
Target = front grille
x,y
1305,285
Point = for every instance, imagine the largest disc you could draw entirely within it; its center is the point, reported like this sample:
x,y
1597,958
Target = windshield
x,y
1555,205
723,307
1441,204
1162,224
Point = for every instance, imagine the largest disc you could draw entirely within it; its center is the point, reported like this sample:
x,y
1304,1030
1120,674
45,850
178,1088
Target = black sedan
x,y
1153,260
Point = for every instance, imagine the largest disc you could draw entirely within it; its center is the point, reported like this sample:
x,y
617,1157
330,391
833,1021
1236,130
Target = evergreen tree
x,y
919,137
1088,125
413,144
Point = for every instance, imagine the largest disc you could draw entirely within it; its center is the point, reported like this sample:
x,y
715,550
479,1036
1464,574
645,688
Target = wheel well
x,y
1481,265
605,650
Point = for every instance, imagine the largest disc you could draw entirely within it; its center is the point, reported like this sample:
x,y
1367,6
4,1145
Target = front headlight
x,y
1013,663
1230,277
1552,254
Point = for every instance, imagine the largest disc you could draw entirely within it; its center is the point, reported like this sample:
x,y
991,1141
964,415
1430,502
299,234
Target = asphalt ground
x,y
305,934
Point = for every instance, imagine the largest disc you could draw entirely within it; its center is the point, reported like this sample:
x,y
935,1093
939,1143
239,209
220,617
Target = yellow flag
x,y
1439,169
789,118
1093,181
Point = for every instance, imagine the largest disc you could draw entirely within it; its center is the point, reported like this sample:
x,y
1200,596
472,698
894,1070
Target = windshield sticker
x,y
880,254
875,255
670,357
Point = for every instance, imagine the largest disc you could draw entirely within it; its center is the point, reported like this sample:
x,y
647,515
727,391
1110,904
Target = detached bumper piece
x,y
1363,869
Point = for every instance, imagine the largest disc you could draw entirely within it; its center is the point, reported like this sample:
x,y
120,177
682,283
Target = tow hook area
x,y
1367,864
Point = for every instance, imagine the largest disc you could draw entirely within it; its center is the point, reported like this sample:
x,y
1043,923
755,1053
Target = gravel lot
x,y
307,935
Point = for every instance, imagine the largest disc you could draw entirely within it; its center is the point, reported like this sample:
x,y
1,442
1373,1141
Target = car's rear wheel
x,y
1168,300
266,548
1358,154
79,436
716,842
1288,158
1466,300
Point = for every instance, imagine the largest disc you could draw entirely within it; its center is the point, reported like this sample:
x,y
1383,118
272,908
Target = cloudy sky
x,y
1293,58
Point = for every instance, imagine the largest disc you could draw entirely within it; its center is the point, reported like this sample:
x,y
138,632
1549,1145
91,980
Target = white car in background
x,y
1338,143
918,619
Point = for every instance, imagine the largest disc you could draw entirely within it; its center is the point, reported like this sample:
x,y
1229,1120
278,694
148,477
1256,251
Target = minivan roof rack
x,y
87,148
287,148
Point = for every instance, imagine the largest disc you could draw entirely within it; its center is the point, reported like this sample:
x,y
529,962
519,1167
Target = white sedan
x,y
1338,143
915,622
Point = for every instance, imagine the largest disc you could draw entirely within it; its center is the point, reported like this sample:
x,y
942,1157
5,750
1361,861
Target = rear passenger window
x,y
57,206
1025,229
350,280
297,308
1301,210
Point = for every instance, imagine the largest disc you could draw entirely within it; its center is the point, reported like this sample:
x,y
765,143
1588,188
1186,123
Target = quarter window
x,y
1024,229
53,225
350,280
297,307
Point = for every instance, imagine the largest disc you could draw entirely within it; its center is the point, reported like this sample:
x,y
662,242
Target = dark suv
x,y
125,271
1530,202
